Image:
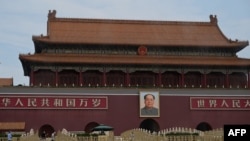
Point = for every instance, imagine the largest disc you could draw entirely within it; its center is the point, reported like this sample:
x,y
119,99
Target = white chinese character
x,y
70,103
224,103
236,103
212,103
58,102
6,101
84,102
96,102
45,102
19,102
32,102
201,103
247,103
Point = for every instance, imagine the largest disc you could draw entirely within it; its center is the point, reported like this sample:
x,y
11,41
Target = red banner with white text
x,y
220,103
53,102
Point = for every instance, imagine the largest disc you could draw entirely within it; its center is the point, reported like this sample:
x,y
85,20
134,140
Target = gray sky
x,y
20,19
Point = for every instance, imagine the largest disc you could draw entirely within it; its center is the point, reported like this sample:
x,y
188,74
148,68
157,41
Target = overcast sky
x,y
20,19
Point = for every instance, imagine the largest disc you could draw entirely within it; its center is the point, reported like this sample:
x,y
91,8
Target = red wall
x,y
123,114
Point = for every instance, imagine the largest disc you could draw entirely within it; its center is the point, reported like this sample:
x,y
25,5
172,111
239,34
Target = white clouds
x,y
13,71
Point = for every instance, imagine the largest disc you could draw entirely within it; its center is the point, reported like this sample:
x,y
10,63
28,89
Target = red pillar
x,y
127,78
32,77
248,79
80,78
179,83
182,78
56,78
104,81
227,79
204,79
159,79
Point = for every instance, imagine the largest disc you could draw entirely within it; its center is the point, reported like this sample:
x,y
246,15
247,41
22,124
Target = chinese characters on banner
x,y
53,102
219,103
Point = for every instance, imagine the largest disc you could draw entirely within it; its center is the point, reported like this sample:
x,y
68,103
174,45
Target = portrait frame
x,y
156,94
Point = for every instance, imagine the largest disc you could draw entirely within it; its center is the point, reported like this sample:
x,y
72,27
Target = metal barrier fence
x,y
170,134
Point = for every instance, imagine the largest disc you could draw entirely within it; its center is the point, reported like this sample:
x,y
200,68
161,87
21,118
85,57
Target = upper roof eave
x,y
134,59
239,44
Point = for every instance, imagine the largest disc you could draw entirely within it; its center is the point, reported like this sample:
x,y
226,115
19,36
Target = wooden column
x,y
56,81
104,78
227,80
204,79
32,77
179,83
182,78
127,78
159,79
248,80
80,78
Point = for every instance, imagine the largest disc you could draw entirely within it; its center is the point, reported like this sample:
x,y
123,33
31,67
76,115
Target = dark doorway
x,y
150,125
48,129
203,126
90,126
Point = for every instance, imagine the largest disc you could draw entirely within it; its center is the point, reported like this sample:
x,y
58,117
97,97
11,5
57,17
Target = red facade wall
x,y
123,114
71,78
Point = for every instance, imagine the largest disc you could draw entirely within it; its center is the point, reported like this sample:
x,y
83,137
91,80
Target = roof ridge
x,y
52,17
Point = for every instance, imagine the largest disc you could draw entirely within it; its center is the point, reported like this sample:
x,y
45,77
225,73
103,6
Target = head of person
x,y
149,100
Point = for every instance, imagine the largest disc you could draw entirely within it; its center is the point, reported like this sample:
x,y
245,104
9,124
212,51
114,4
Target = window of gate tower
x,y
115,78
143,78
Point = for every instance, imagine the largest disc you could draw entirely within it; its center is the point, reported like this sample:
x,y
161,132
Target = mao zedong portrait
x,y
149,109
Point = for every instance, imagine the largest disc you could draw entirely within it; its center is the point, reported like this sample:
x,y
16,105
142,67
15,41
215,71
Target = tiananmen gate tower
x,y
86,72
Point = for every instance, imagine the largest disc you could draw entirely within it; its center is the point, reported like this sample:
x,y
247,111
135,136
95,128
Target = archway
x,y
90,126
150,124
204,126
48,129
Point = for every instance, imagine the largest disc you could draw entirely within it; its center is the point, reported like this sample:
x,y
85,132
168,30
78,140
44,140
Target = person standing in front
x,y
9,136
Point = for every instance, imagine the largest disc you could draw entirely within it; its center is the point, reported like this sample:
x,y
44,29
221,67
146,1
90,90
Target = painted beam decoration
x,y
220,103
53,102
